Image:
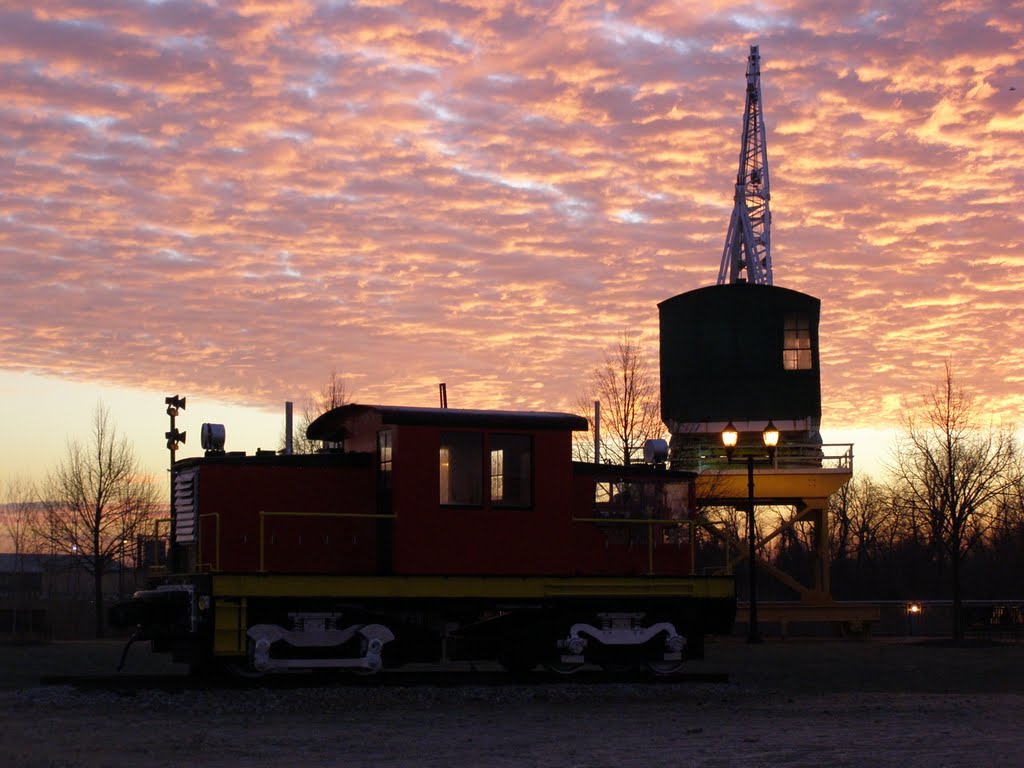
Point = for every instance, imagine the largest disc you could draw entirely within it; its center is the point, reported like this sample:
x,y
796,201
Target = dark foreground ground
x,y
787,703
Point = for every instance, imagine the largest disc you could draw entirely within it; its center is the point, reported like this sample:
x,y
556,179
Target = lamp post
x,y
770,437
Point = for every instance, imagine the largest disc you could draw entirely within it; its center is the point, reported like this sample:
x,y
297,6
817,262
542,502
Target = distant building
x,y
49,597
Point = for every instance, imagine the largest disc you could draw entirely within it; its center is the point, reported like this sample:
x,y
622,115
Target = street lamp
x,y
770,437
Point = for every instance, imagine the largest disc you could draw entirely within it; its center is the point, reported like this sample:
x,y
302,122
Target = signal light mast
x,y
747,255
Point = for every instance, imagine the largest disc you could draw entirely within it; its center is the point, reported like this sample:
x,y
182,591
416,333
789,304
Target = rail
x,y
650,523
814,456
826,456
839,457
319,515
216,543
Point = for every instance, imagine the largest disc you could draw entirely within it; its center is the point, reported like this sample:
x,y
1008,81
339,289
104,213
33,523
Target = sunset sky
x,y
230,200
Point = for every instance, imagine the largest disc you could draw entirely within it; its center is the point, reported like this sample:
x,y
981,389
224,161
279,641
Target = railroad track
x,y
396,678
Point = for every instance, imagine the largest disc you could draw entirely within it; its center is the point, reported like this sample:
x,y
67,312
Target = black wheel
x,y
518,668
664,668
563,668
519,653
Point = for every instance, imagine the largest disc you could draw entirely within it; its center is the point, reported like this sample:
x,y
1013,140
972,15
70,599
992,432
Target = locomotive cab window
x,y
796,344
654,500
511,459
618,498
461,461
384,459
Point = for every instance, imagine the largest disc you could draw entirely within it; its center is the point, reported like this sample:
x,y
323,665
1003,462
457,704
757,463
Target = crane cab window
x,y
461,462
796,344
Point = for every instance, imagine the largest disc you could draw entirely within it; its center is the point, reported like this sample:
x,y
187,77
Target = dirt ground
x,y
787,703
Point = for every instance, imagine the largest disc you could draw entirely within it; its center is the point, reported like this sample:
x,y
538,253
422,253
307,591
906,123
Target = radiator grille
x,y
186,506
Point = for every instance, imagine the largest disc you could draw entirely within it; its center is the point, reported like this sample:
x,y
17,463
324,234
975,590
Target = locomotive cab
x,y
425,534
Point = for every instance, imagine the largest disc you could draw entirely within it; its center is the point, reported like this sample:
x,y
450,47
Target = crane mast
x,y
747,254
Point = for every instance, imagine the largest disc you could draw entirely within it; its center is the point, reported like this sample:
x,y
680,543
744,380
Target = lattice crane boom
x,y
747,254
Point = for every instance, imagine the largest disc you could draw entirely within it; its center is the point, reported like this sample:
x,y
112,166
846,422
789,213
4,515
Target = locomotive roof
x,y
273,458
331,426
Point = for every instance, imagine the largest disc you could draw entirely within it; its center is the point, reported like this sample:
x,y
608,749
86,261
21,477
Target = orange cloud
x,y
241,199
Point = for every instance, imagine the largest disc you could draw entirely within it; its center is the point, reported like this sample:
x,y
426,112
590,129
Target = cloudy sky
x,y
230,200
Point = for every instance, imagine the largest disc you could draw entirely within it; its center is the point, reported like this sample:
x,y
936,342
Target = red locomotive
x,y
425,534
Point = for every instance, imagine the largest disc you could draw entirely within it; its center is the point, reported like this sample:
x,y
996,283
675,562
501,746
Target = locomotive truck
x,y
426,535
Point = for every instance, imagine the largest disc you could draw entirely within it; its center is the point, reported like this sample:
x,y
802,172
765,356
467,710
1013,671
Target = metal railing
x,y
827,456
215,566
649,523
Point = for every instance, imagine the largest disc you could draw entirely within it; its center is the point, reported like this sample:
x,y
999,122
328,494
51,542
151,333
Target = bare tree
x,y
953,470
1010,518
859,511
95,501
18,523
334,393
1005,542
629,394
20,512
865,528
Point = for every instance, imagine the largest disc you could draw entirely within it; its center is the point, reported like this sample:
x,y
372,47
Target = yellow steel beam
x,y
742,551
785,578
798,516
769,483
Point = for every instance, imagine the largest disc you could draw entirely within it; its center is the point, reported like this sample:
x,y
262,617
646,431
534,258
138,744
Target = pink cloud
x,y
431,190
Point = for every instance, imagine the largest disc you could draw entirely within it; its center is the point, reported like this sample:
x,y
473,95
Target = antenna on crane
x,y
747,255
